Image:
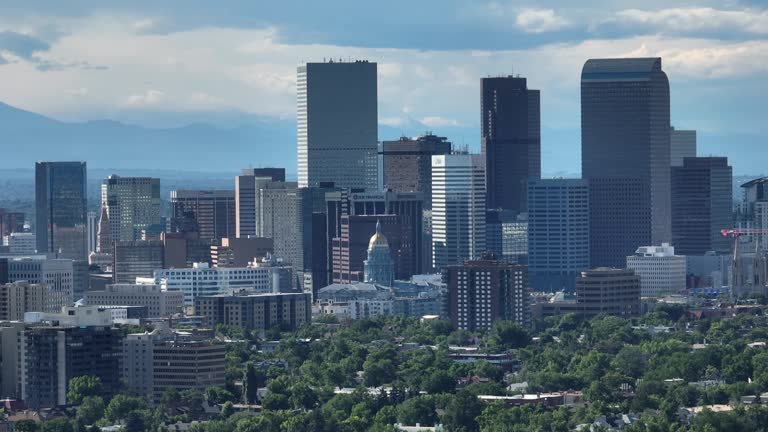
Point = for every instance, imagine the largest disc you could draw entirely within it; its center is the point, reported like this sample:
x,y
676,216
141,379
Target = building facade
x,y
558,233
407,206
661,271
257,311
486,290
351,248
11,222
58,275
21,243
626,101
211,213
52,355
20,297
458,209
238,252
337,119
702,205
247,186
608,291
138,258
682,145
510,140
407,164
203,280
61,203
132,205
159,303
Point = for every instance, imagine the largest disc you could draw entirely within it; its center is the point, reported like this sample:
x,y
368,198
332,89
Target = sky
x,y
141,60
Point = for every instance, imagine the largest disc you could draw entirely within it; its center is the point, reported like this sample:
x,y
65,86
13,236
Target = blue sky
x,y
84,60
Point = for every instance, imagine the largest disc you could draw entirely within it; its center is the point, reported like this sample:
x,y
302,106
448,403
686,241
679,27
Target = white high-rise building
x,y
337,120
132,204
458,208
661,271
202,280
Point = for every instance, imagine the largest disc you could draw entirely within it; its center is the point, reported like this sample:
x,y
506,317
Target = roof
x,y
353,287
378,239
755,181
624,69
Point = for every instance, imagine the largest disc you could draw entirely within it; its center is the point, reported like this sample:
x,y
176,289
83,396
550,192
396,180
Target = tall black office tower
x,y
511,140
625,155
702,205
61,209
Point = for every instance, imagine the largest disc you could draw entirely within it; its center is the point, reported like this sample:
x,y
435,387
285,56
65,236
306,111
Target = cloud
x,y
148,98
437,121
21,45
540,21
694,20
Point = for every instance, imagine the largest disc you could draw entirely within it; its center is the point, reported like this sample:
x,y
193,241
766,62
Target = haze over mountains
x,y
226,142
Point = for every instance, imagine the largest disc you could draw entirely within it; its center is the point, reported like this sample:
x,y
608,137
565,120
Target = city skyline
x,y
711,54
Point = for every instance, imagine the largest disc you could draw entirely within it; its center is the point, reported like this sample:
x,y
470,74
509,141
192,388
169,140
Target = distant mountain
x,y
227,141
27,137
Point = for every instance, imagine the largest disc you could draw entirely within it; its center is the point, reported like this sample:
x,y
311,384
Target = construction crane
x,y
759,264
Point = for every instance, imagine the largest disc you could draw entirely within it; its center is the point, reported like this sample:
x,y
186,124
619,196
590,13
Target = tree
x,y
506,335
91,410
420,410
439,381
380,367
56,425
121,405
250,384
83,386
193,400
227,410
462,412
135,422
25,426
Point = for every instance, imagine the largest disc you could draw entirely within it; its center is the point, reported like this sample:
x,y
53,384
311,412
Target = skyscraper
x,y
458,209
682,145
407,164
61,209
210,212
702,202
132,205
558,233
247,187
625,155
337,118
511,140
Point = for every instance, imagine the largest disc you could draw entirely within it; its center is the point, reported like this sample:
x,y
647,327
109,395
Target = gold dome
x,y
378,239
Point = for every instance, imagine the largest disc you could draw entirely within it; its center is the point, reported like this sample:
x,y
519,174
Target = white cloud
x,y
438,121
540,21
697,19
148,98
211,69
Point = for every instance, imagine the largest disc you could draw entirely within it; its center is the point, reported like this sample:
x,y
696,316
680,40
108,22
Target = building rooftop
x,y
622,65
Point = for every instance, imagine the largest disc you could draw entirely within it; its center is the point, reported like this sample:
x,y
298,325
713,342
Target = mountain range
x,y
226,142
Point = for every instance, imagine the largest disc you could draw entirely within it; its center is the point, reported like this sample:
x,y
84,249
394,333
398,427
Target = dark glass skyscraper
x,y
625,155
61,209
702,201
511,140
